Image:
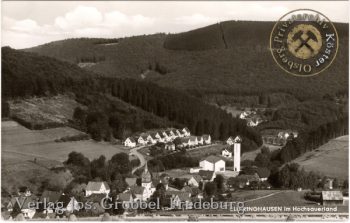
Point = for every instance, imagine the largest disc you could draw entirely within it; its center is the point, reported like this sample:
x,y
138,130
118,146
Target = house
x,y
158,136
25,204
172,133
100,187
230,140
186,131
181,200
130,181
130,142
263,173
166,136
179,133
331,198
213,163
206,175
178,199
192,141
226,152
151,138
69,204
142,139
200,140
184,142
50,198
206,139
191,180
170,146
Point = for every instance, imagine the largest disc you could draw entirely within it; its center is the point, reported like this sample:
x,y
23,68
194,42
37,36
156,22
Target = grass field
x,y
40,143
203,151
330,159
21,146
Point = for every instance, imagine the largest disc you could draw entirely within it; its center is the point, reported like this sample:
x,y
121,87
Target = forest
x,y
27,74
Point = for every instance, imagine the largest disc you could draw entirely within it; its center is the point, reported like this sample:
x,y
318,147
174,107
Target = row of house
x,y
192,141
163,136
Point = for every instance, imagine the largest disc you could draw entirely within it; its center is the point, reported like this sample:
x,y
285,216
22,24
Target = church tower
x,y
237,154
146,178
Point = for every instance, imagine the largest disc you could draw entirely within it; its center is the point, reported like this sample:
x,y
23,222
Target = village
x,y
174,192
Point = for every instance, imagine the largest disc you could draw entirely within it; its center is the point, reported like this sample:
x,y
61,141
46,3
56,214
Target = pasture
x,y
40,143
330,159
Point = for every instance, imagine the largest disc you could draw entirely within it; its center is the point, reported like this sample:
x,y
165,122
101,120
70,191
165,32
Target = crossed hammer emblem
x,y
304,42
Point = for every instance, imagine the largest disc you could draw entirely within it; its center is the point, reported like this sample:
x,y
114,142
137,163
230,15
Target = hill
x,y
330,159
115,107
216,63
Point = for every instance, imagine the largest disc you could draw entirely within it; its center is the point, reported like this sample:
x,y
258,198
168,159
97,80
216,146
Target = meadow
x,y
40,143
331,159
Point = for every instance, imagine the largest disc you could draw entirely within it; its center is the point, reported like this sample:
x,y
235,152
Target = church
x,y
143,190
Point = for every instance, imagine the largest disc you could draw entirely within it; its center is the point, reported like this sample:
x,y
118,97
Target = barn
x,y
332,198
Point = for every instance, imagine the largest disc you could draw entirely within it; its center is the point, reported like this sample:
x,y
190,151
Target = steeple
x,y
146,175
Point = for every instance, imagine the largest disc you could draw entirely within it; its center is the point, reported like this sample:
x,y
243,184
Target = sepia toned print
x,y
174,111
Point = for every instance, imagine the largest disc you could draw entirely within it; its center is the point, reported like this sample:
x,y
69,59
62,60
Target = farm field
x,y
40,143
331,159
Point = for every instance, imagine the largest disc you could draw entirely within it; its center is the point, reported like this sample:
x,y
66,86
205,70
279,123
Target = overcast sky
x,y
26,24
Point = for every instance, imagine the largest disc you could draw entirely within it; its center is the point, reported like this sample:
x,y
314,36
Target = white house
x,y
100,187
166,136
151,138
24,204
159,137
179,133
142,139
193,141
206,139
170,146
200,140
184,142
213,163
226,152
130,142
186,131
230,140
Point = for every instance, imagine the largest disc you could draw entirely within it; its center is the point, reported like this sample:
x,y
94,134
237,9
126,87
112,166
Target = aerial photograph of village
x,y
174,111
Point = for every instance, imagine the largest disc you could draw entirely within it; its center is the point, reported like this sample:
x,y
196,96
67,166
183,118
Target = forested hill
x,y
230,58
26,74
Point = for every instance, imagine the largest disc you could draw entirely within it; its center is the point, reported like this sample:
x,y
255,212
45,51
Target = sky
x,y
31,23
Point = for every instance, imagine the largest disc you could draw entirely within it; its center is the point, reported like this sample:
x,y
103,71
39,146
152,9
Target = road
x,y
142,159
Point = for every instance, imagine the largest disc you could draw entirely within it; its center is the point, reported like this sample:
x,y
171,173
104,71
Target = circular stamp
x,y
304,42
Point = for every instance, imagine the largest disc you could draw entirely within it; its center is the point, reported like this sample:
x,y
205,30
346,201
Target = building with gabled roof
x,y
186,131
332,198
100,187
206,139
130,142
213,163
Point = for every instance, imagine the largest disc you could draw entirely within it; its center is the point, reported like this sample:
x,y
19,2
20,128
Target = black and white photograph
x,y
175,111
